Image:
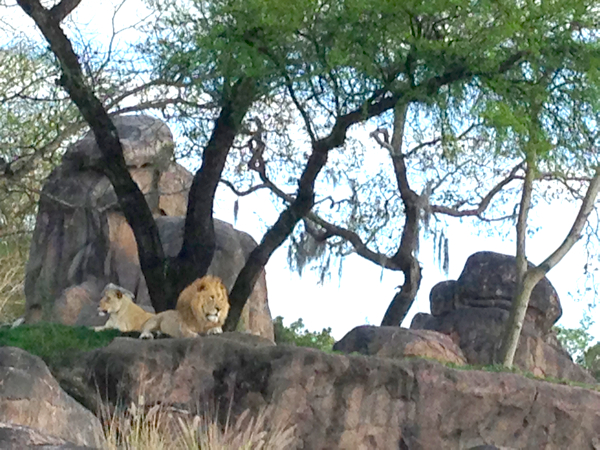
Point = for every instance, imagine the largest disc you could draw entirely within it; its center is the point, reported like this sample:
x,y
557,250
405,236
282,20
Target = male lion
x,y
124,314
167,322
202,307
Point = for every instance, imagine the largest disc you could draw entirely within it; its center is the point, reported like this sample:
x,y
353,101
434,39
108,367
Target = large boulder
x,y
473,311
31,397
346,401
396,342
490,280
82,241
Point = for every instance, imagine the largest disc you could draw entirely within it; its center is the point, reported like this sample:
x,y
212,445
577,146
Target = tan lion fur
x,y
203,305
125,315
167,322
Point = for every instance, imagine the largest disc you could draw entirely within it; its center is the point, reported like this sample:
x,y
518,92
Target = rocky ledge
x,y
345,401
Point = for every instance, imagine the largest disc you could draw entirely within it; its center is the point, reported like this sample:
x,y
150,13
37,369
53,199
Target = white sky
x,y
364,291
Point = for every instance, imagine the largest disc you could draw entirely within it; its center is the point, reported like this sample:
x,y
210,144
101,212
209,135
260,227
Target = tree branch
x,y
483,204
63,9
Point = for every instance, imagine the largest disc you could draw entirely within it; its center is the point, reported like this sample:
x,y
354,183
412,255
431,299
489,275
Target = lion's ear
x,y
201,287
119,294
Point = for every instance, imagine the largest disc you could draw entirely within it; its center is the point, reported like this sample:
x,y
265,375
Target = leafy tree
x,y
296,334
331,66
559,92
576,342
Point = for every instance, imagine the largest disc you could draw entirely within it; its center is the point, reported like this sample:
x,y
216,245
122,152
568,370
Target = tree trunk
x,y
131,200
276,235
533,275
198,246
405,255
299,208
404,299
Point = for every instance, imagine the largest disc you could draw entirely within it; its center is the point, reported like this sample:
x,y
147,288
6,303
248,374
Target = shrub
x,y
575,341
295,334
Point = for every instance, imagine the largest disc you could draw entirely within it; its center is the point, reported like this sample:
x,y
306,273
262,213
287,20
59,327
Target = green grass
x,y
55,342
497,368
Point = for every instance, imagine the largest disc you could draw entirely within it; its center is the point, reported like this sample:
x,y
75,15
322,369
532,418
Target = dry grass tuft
x,y
159,428
13,258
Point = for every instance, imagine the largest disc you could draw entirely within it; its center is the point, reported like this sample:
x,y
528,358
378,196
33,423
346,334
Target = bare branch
x,y
249,191
483,204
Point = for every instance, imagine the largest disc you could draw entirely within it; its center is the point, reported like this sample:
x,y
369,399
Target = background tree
x,y
328,68
321,79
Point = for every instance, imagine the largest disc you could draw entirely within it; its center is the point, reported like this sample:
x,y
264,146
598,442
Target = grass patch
x,y
498,368
54,342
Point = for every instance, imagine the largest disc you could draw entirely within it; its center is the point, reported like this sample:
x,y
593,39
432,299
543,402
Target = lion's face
x,y
112,301
211,304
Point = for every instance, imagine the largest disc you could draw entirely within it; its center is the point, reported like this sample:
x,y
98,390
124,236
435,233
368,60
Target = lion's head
x,y
207,301
113,299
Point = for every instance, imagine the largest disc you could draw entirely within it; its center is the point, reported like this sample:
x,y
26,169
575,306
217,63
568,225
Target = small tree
x,y
553,135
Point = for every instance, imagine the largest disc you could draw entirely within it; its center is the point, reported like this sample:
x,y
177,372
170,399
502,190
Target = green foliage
x,y
591,360
295,334
55,342
315,61
35,117
575,341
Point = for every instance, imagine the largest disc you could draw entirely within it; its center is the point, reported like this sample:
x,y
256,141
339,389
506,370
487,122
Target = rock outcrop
x,y
399,343
473,310
31,397
82,241
17,437
350,402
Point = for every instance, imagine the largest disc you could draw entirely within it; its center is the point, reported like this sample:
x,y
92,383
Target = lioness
x,y
202,307
124,314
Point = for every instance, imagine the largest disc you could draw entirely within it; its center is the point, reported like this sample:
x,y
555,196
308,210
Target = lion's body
x,y
125,315
203,305
167,322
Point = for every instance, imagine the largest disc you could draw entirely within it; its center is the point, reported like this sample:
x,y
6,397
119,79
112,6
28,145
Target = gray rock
x,y
17,437
473,310
31,397
479,332
396,342
489,280
82,241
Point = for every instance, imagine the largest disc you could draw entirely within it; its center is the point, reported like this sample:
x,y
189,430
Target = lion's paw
x,y
215,330
146,335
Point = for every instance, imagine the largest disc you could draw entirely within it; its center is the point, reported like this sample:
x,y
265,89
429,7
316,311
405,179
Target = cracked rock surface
x,y
350,402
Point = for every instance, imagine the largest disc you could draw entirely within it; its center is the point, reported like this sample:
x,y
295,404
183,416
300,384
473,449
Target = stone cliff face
x,y
82,241
345,401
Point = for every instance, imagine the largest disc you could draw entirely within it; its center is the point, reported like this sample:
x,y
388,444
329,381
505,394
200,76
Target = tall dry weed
x,y
161,428
13,258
